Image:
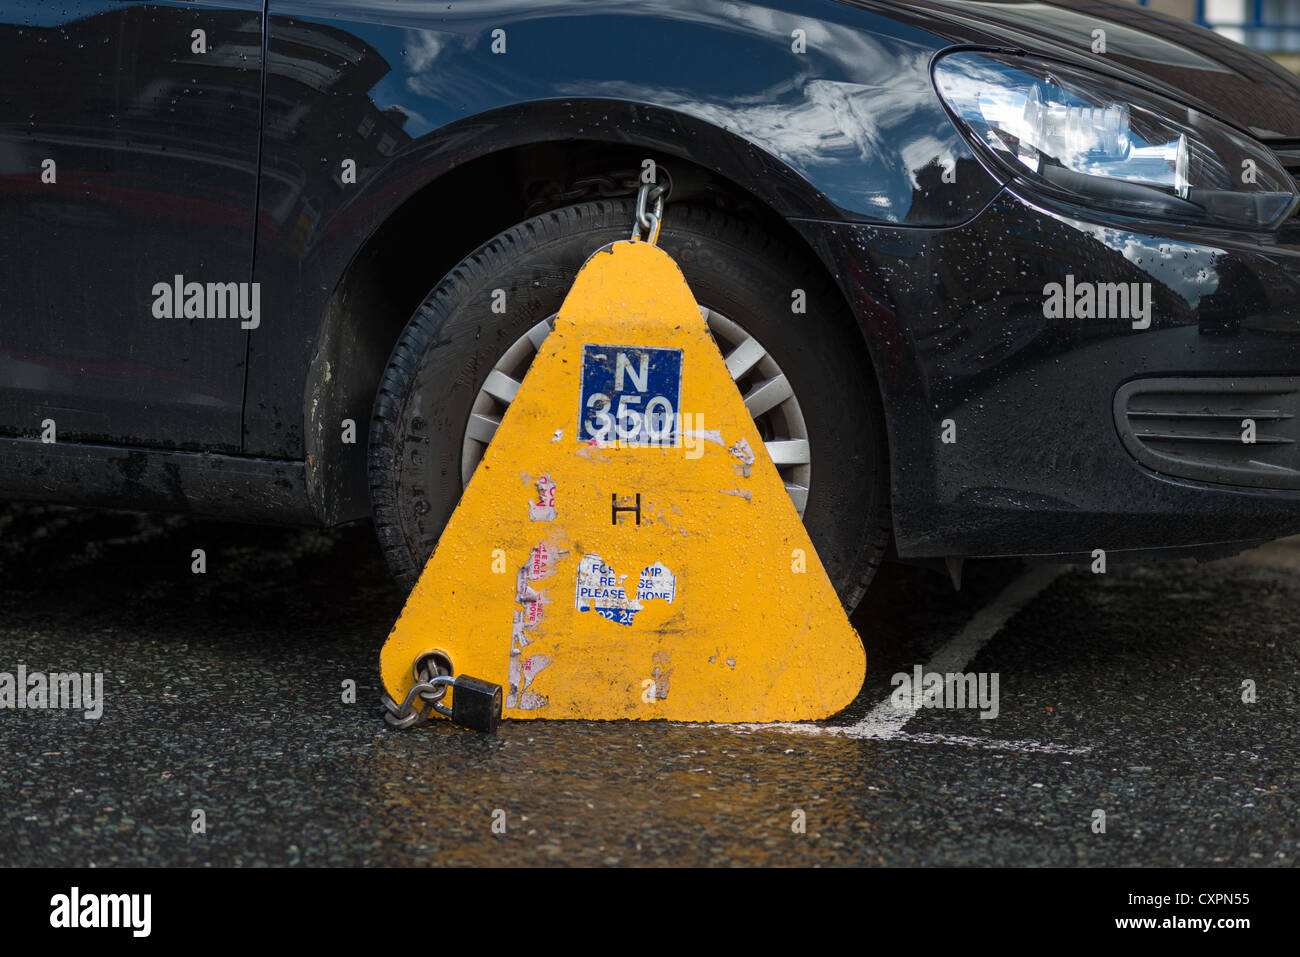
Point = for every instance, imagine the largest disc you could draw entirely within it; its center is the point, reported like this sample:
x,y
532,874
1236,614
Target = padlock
x,y
475,704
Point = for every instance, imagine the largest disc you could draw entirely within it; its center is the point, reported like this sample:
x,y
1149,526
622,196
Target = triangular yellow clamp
x,y
626,548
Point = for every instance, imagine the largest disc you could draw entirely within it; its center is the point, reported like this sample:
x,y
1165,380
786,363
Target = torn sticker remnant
x,y
600,590
541,564
529,618
543,510
742,451
656,581
522,672
532,666
661,673
708,435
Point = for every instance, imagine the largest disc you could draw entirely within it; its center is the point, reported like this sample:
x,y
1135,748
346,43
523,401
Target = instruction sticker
x,y
600,590
630,395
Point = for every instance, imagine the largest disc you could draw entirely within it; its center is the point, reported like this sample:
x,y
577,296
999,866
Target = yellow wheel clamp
x,y
626,548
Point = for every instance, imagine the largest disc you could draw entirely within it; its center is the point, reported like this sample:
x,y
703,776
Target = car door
x,y
128,178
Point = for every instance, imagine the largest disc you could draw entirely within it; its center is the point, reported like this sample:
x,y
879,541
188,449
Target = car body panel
x,y
1037,466
412,91
153,145
843,138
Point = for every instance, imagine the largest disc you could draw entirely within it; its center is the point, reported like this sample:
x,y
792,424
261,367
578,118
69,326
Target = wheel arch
x,y
470,199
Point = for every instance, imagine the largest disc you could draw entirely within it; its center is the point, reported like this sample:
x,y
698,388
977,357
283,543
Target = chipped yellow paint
x,y
747,636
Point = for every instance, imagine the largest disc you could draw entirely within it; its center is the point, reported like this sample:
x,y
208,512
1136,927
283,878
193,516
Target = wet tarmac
x,y
224,694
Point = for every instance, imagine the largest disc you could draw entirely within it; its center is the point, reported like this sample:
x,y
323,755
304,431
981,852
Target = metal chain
x,y
431,684
408,714
649,211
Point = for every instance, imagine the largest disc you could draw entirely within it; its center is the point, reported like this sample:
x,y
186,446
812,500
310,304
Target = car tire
x,y
437,371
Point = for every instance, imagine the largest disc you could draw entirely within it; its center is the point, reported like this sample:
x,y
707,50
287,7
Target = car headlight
x,y
1091,141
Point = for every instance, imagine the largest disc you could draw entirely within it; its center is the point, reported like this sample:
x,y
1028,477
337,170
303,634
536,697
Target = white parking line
x,y
886,720
960,740
992,744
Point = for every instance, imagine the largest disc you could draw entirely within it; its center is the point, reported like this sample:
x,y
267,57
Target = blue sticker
x,y
631,395
601,590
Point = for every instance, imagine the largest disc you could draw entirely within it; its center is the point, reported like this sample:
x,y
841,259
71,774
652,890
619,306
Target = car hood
x,y
1173,56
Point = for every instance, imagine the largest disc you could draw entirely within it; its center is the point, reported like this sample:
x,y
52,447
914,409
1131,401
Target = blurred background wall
x,y
1270,26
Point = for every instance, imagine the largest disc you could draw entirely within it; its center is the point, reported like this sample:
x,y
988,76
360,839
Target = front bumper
x,y
956,325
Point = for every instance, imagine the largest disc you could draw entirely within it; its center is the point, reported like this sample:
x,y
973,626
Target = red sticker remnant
x,y
543,510
542,562
522,672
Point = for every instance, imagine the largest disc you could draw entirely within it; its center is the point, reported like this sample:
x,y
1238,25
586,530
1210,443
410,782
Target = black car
x,y
995,278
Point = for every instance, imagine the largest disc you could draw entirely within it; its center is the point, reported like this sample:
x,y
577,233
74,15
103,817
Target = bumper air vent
x,y
1192,428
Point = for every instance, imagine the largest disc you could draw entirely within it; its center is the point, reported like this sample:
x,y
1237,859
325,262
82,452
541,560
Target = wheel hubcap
x,y
767,393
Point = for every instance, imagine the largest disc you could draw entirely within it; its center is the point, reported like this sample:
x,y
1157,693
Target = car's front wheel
x,y
803,375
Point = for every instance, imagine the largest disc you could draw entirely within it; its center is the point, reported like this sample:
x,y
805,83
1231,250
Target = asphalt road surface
x,y
1119,693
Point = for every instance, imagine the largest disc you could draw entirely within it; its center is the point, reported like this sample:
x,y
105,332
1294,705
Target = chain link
x,y
431,683
649,211
408,714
